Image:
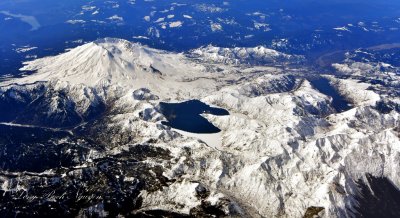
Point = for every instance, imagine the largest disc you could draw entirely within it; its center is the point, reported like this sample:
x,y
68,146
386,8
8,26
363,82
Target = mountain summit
x,y
108,62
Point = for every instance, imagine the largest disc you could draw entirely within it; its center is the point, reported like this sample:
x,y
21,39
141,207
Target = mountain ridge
x,y
284,150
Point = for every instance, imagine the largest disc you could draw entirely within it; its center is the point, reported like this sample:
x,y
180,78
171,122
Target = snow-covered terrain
x,y
283,150
236,56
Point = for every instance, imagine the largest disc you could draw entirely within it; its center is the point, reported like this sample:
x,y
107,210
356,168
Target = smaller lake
x,y
339,103
186,116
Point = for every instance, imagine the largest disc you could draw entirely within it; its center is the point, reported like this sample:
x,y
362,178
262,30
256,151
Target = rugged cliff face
x,y
84,136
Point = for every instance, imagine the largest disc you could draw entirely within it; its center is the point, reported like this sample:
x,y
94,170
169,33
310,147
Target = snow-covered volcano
x,y
91,121
116,62
104,62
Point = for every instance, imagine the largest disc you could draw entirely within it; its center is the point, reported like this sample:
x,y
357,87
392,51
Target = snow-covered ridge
x,y
117,62
240,55
283,147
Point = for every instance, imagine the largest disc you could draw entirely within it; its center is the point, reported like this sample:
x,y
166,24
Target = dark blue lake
x,y
186,116
339,103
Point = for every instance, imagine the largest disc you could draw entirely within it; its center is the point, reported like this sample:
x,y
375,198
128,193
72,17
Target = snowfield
x,y
282,152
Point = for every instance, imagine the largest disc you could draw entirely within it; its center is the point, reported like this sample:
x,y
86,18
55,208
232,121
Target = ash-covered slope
x,y
90,120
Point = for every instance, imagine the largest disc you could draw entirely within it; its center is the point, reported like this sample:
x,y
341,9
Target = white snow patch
x,y
175,24
116,18
146,18
25,49
344,28
75,21
215,27
213,140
